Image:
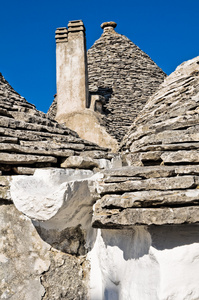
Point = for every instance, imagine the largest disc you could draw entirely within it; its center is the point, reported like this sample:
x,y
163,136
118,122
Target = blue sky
x,y
168,31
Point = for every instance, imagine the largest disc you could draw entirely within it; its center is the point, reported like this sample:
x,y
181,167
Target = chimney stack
x,y
71,69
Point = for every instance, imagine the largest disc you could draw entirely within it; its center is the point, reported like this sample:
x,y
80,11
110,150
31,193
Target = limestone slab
x,y
117,218
169,183
8,158
151,198
79,162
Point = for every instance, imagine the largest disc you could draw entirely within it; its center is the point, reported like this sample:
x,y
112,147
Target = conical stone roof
x,y
28,139
160,184
170,119
125,75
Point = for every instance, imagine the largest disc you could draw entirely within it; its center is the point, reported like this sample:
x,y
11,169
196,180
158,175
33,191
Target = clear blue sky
x,y
168,31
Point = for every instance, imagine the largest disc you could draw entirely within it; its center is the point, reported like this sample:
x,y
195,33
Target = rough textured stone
x,y
118,218
125,76
171,183
79,162
153,198
67,278
30,268
15,159
171,114
5,188
28,137
20,279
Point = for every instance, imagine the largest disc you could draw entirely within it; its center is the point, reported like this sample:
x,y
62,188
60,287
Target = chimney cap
x,y
108,24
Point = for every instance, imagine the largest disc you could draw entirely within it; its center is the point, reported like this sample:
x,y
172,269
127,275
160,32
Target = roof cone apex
x,y
108,26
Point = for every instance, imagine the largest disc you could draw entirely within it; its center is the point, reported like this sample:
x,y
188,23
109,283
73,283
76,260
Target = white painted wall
x,y
161,263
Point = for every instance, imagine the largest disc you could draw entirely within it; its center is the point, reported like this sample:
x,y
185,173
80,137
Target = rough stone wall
x,y
125,76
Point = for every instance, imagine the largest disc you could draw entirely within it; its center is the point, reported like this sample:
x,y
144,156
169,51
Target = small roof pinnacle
x,y
108,24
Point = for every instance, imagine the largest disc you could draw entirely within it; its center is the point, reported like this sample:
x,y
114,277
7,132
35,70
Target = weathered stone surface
x,y
54,145
7,139
89,126
46,258
79,162
150,172
38,149
190,156
146,172
171,114
148,188
25,170
31,269
9,158
124,75
118,218
71,69
5,188
151,198
177,156
71,240
167,183
168,137
20,279
67,278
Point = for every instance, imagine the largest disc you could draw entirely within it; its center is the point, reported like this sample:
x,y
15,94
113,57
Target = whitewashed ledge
x,y
60,198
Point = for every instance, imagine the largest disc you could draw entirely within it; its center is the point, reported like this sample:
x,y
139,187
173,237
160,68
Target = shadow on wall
x,y
169,237
69,240
111,294
135,263
98,101
134,243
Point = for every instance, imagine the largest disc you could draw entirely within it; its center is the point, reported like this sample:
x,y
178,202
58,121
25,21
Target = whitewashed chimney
x,y
71,69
